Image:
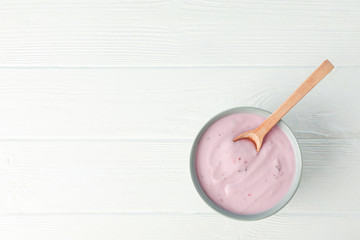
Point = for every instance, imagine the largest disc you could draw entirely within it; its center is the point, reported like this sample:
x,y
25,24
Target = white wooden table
x,y
100,102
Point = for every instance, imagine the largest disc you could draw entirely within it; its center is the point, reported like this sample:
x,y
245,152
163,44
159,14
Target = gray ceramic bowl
x,y
294,185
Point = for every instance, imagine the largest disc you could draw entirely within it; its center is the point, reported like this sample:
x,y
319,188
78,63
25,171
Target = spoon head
x,y
251,135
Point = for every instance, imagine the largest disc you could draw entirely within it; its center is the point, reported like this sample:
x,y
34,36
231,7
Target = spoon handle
x,y
295,97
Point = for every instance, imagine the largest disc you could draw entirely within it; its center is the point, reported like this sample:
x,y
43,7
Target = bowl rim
x,y
298,163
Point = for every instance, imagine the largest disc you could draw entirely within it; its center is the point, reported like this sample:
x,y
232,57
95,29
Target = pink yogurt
x,y
234,175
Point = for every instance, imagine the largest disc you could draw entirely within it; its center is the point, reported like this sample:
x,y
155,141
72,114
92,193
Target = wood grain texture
x,y
178,33
157,103
81,80
175,226
94,177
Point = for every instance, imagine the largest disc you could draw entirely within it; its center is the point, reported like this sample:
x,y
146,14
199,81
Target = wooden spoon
x,y
257,135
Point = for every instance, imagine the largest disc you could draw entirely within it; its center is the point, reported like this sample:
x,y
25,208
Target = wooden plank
x,y
181,33
157,103
153,177
174,226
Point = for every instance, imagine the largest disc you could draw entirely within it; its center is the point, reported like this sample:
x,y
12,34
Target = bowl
x,y
298,166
